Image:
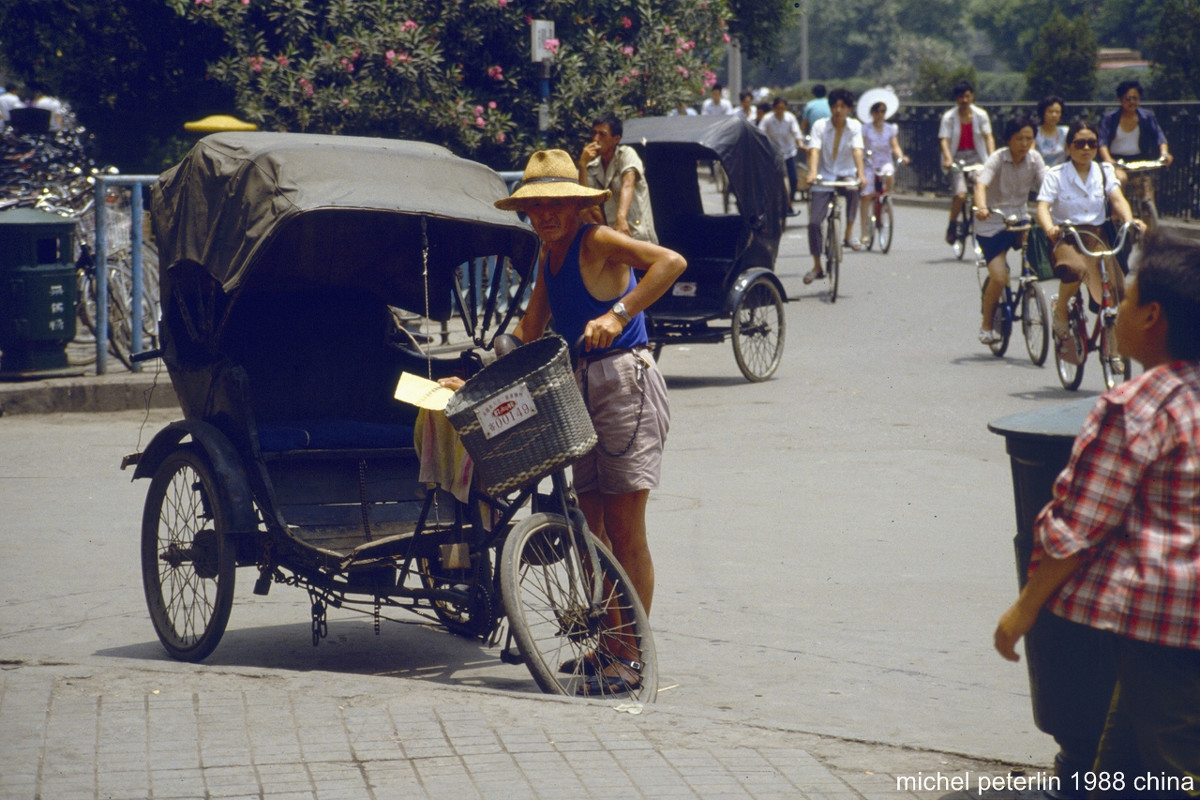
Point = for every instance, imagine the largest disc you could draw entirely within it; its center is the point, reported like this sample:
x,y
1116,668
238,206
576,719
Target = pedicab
x,y
284,257
729,289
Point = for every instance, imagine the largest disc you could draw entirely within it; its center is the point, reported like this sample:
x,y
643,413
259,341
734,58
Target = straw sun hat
x,y
551,173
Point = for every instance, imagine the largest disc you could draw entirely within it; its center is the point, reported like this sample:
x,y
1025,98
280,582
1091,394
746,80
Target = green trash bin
x,y
38,290
1071,672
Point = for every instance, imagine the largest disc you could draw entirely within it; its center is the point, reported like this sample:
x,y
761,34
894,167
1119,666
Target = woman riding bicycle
x,y
1007,178
1132,133
835,153
1076,191
881,141
1050,139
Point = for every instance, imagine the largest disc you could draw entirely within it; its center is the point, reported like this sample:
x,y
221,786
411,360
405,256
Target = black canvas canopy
x,y
267,210
754,166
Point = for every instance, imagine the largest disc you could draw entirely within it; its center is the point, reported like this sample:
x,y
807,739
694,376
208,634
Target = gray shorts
x,y
627,399
958,181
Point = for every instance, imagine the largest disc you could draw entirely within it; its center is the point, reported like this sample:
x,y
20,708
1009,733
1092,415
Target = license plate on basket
x,y
506,410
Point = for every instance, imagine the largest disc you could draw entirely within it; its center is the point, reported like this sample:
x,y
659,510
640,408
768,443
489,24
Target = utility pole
x,y
735,70
804,41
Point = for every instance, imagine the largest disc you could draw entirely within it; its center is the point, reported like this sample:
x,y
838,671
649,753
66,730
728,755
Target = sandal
x,y
599,684
813,274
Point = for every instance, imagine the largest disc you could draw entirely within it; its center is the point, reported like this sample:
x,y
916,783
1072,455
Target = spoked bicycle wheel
x,y
188,556
1035,323
758,330
964,230
1002,323
833,254
883,224
1112,365
1071,375
546,586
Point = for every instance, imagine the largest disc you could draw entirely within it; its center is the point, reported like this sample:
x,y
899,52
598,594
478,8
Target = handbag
x,y
1038,253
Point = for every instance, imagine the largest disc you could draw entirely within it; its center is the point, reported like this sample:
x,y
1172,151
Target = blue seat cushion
x,y
332,434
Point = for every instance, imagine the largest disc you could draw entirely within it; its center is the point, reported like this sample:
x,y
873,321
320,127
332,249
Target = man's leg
x,y
818,207
619,520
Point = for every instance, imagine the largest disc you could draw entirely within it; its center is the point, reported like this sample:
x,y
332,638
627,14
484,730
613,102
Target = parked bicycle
x,y
966,225
1026,305
834,227
1102,339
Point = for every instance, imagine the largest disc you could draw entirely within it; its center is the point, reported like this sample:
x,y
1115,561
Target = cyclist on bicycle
x,y
965,134
1007,178
835,153
1076,191
1132,133
882,144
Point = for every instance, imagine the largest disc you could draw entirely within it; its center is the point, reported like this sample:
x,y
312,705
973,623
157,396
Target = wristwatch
x,y
619,309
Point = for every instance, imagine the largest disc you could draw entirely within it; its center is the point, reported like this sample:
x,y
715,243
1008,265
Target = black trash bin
x,y
1071,672
38,290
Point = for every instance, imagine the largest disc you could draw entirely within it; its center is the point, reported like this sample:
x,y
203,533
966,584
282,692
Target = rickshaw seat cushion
x,y
332,434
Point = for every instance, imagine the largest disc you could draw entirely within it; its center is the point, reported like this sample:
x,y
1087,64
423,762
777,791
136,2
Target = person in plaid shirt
x,y
1118,546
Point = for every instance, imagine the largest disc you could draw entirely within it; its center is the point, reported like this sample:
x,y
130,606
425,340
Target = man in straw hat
x,y
586,282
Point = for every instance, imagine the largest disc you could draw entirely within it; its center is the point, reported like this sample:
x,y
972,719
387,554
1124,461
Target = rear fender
x,y
743,281
222,455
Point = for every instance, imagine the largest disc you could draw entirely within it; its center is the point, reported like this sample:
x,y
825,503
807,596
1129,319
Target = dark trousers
x,y
818,208
1152,733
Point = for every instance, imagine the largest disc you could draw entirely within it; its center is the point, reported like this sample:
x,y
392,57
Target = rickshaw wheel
x,y
474,619
758,330
547,600
188,558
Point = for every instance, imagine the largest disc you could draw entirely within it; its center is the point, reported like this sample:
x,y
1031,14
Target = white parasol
x,y
883,95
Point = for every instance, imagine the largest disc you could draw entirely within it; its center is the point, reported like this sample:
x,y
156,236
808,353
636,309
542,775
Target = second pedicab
x,y
730,289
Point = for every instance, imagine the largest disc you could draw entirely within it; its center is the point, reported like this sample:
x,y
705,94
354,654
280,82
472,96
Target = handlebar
x,y
1069,228
1013,222
964,167
1141,166
854,184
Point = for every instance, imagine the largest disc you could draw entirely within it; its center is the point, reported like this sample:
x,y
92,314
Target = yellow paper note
x,y
422,392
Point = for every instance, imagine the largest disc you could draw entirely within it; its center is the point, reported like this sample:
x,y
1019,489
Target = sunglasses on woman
x,y
1085,144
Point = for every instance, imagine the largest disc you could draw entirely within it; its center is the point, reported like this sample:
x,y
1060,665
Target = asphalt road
x,y
833,546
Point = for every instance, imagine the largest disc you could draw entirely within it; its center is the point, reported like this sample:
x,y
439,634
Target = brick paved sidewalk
x,y
66,733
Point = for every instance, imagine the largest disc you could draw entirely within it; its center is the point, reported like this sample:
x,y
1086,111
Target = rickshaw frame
x,y
731,256
283,257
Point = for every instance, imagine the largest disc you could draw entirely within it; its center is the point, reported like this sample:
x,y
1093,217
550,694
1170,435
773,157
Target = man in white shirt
x,y
783,129
716,103
965,134
8,101
835,152
745,109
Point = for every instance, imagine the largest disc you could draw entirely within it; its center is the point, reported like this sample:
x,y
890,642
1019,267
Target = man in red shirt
x,y
1118,546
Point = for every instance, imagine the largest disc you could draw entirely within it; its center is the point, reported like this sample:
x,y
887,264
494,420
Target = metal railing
x,y
1178,186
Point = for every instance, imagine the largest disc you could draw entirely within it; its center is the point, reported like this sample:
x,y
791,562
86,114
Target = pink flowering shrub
x,y
459,74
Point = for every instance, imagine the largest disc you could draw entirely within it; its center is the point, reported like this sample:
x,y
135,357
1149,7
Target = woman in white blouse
x,y
1075,191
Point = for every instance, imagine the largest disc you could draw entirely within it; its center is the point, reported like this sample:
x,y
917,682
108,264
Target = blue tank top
x,y
573,306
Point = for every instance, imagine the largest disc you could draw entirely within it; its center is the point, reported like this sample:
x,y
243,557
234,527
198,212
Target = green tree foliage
x,y
132,71
760,25
1176,48
1014,26
458,72
1064,59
